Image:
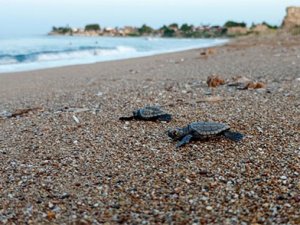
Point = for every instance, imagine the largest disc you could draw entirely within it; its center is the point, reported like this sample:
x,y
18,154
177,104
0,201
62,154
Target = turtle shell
x,y
151,111
208,128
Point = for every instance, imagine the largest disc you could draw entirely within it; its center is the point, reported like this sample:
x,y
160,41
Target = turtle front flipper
x,y
234,136
185,140
165,117
126,118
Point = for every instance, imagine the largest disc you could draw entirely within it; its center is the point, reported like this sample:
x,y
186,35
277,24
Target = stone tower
x,y
292,18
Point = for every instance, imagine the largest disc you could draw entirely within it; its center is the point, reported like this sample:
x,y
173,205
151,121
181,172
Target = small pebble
x,y
209,208
283,177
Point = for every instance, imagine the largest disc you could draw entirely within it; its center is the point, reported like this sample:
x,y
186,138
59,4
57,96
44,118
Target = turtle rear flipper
x,y
234,136
165,117
126,118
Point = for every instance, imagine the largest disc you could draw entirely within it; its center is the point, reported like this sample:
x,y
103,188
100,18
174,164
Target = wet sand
x,y
70,160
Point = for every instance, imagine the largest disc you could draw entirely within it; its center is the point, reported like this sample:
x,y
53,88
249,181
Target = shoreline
x,y
33,66
68,158
116,60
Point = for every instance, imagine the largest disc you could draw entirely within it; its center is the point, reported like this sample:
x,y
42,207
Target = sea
x,y
43,51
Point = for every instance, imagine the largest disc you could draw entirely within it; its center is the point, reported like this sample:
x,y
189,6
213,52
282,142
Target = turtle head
x,y
175,133
135,113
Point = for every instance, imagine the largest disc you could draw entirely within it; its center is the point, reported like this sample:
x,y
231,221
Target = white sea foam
x,y
7,61
46,52
84,54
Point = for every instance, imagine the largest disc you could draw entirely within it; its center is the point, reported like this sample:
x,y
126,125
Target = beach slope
x,y
66,158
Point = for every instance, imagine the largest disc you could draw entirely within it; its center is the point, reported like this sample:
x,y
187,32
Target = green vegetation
x,y
134,34
166,31
145,29
174,26
270,26
186,28
92,27
62,30
229,24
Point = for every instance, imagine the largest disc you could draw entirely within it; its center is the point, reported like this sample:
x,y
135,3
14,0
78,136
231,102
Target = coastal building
x,y
129,30
202,28
74,29
109,31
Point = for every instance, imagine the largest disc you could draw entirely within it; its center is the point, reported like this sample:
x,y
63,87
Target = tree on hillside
x,y
62,30
186,28
270,26
173,26
234,24
92,27
145,29
167,31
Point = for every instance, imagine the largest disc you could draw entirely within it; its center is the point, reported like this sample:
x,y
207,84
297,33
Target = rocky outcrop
x,y
235,31
260,28
292,18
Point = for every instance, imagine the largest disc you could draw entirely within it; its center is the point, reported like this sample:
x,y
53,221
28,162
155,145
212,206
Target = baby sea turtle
x,y
150,113
202,130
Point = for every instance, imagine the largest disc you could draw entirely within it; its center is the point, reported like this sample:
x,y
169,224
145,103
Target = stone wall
x,y
292,17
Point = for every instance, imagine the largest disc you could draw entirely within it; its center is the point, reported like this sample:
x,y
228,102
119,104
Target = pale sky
x,y
28,17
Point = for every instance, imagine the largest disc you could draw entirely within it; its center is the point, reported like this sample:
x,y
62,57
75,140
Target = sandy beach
x,y
69,160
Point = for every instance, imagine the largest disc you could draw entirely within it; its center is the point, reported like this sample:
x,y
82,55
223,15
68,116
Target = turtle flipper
x,y
166,117
185,140
234,136
127,118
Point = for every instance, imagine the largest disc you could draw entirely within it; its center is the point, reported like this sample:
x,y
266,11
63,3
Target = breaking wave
x,y
68,54
40,52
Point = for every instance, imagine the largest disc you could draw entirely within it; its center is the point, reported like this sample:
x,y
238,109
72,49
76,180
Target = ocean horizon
x,y
43,51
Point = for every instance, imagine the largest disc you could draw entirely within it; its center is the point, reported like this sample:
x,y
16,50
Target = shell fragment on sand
x,y
75,119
